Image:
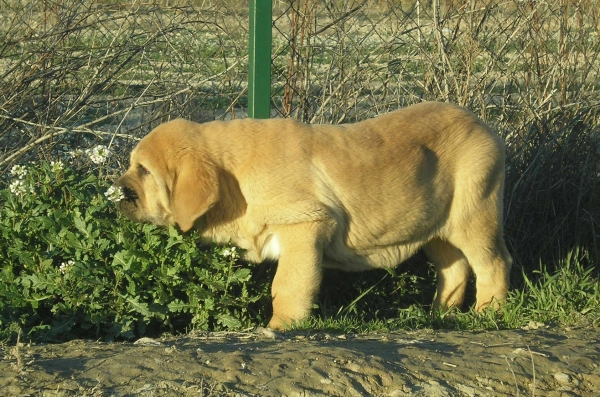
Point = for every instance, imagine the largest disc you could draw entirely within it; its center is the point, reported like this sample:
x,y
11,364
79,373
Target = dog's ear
x,y
195,190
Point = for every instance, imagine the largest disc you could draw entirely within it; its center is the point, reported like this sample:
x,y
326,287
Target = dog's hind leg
x,y
474,225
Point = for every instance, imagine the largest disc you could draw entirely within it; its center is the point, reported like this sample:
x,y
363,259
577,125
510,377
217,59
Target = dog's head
x,y
170,179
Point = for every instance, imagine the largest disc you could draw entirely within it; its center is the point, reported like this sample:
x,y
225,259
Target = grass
x,y
569,296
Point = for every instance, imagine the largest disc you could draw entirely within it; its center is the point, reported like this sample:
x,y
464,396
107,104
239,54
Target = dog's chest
x,y
263,248
257,246
271,248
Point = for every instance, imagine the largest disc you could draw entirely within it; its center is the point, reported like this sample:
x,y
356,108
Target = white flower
x,y
76,153
20,171
114,194
17,187
57,166
99,154
230,252
64,267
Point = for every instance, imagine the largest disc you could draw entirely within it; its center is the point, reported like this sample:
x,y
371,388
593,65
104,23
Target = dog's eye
x,y
143,170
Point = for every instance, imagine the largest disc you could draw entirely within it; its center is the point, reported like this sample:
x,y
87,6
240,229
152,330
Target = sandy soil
x,y
538,361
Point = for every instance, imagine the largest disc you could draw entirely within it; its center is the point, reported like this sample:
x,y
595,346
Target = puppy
x,y
352,197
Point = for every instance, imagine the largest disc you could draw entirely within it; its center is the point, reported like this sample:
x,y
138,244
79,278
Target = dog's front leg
x,y
298,277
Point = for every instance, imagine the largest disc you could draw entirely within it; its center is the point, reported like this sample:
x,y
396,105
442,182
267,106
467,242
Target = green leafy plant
x,y
72,267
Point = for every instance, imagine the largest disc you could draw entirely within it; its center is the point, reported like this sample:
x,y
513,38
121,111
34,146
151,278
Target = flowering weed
x,y
114,194
19,171
98,154
57,166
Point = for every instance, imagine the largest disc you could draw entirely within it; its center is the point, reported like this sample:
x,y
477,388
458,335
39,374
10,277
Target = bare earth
x,y
538,361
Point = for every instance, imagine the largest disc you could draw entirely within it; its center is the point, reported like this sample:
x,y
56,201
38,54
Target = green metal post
x,y
259,59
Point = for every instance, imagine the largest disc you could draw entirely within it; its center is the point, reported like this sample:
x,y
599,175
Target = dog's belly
x,y
339,256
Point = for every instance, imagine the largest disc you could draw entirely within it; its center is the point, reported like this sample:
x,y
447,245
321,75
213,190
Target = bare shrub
x,y
73,69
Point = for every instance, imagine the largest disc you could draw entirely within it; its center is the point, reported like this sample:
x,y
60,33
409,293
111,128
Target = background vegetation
x,y
77,74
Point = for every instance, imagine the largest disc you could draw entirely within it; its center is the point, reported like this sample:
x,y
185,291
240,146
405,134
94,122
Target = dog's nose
x,y
130,194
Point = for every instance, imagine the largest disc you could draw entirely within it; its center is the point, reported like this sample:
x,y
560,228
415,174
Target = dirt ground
x,y
537,361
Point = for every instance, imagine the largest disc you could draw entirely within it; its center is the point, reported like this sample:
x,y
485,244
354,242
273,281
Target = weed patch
x,y
72,267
